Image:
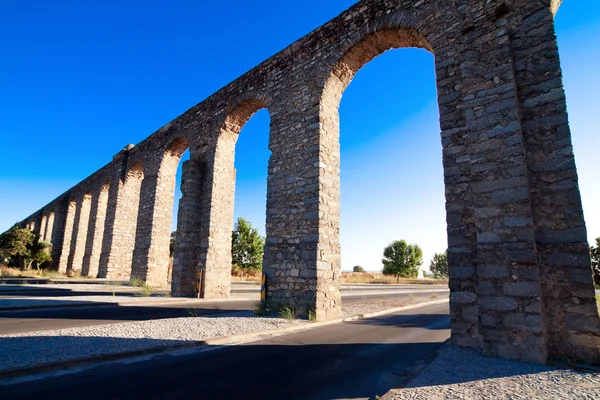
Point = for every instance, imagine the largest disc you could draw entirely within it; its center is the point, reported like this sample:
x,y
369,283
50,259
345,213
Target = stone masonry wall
x,y
520,276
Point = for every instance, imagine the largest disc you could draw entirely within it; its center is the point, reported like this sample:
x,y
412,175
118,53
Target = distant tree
x,y
172,243
358,268
247,247
595,253
401,259
439,265
23,248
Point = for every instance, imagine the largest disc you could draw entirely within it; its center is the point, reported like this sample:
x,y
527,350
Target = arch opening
x,y
251,159
388,148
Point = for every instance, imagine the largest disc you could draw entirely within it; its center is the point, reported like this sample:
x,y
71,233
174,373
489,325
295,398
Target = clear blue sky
x,y
80,80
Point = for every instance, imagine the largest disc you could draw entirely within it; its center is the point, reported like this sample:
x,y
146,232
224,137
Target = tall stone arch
x,y
205,216
121,220
151,254
95,231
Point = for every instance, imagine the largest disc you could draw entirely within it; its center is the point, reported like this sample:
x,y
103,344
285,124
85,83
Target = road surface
x,y
352,360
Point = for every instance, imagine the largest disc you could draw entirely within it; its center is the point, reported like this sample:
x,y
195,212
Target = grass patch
x,y
136,282
145,291
9,272
287,312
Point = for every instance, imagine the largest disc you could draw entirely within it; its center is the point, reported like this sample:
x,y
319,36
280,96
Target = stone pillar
x,y
93,247
569,307
302,252
206,216
49,228
80,231
189,224
478,82
67,233
58,232
43,228
151,253
121,221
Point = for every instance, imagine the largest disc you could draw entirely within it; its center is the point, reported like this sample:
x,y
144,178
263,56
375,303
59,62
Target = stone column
x,y
479,83
93,247
67,233
121,220
79,236
151,253
206,216
302,253
49,227
43,228
189,226
569,307
58,232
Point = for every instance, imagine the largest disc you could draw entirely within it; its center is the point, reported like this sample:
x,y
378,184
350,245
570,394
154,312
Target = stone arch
x,y
204,233
79,236
67,236
151,254
360,54
93,247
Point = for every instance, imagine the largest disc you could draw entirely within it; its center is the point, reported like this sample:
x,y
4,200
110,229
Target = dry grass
x,y
373,278
353,277
8,272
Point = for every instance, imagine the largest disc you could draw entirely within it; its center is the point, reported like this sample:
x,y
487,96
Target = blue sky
x,y
80,80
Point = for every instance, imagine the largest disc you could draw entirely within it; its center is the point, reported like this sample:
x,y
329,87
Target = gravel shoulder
x,y
460,373
33,348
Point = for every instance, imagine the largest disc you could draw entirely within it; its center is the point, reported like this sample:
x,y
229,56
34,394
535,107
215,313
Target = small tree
x,y
358,268
247,246
595,253
439,265
172,243
401,259
23,248
39,254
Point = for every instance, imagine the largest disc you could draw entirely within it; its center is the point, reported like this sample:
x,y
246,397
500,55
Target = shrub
x,y
358,268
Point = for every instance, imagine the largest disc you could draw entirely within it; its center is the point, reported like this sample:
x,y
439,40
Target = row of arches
x,y
504,183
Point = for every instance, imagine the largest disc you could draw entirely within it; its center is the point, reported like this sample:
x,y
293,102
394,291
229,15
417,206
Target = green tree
x,y
595,253
439,265
23,248
401,259
358,268
172,243
247,246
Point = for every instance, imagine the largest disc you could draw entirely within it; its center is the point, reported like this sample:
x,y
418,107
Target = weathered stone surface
x,y
517,247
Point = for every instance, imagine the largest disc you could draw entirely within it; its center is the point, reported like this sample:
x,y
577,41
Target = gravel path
x,y
18,351
460,373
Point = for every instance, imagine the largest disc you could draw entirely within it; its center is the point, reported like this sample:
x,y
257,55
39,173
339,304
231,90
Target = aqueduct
x,y
520,277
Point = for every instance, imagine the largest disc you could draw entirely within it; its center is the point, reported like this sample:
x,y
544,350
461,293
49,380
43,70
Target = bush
x,y
358,268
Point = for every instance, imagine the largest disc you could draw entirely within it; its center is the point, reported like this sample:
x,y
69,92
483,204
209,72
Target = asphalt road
x,y
13,322
351,360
